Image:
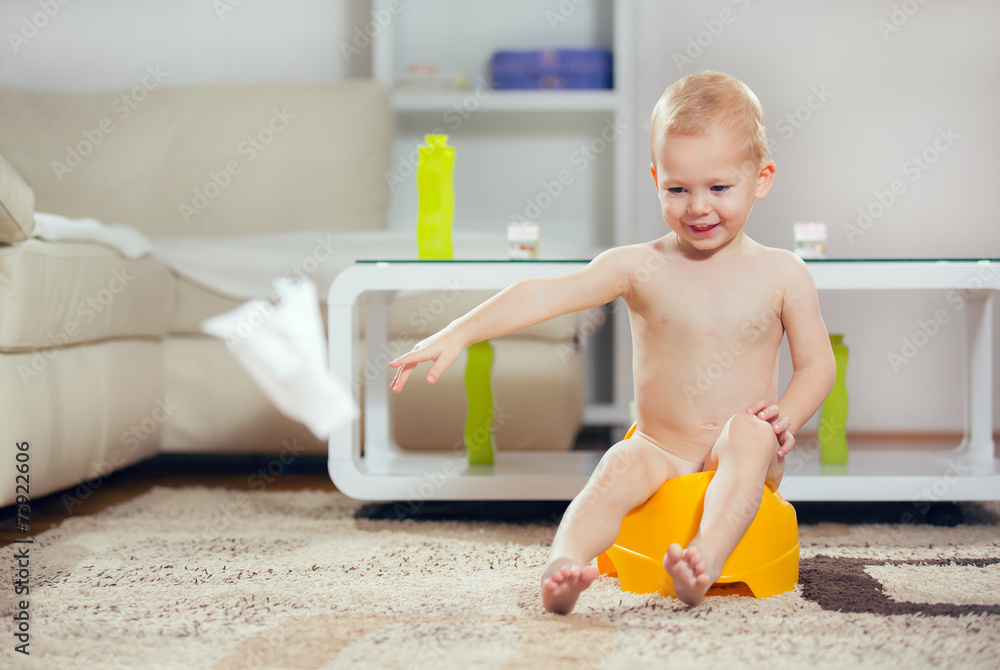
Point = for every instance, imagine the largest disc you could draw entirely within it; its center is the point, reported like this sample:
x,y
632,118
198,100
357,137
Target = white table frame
x,y
380,470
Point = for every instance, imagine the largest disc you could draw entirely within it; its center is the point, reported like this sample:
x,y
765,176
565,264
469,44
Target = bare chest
x,y
693,309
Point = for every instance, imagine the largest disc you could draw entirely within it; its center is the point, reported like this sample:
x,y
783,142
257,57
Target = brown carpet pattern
x,y
843,585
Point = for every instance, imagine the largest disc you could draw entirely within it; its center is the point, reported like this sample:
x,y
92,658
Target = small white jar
x,y
810,239
522,240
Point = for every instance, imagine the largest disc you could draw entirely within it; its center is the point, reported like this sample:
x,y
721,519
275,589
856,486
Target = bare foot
x,y
689,570
562,583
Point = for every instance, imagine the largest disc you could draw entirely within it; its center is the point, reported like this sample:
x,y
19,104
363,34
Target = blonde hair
x,y
699,102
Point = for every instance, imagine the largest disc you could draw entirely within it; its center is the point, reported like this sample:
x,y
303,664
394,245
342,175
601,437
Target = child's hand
x,y
772,415
436,348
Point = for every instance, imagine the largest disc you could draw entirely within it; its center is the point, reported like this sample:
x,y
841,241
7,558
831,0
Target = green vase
x,y
479,417
436,201
833,415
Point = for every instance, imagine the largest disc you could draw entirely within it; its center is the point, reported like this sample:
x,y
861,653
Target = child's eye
x,y
676,190
719,189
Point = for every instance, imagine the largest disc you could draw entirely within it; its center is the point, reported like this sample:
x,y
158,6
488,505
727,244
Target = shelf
x,y
876,475
920,476
523,475
489,100
837,274
515,142
914,468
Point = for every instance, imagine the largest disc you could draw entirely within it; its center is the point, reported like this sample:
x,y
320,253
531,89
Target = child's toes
x,y
570,573
674,555
682,572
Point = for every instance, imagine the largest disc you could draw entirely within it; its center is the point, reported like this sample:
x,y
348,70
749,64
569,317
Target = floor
x,y
171,470
238,472
245,473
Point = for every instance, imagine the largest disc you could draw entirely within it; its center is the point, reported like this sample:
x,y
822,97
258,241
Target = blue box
x,y
552,69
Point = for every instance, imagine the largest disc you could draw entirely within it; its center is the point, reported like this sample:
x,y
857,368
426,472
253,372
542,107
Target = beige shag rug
x,y
210,578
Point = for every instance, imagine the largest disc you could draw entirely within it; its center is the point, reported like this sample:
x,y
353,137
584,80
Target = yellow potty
x,y
766,558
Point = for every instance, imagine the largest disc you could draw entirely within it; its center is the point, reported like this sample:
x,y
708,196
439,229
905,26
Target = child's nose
x,y
698,203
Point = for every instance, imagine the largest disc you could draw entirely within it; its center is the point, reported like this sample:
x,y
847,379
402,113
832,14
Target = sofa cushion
x,y
193,304
222,410
206,160
17,205
55,294
85,412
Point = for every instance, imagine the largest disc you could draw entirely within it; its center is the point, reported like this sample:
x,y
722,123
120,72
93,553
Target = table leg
x,y
375,368
345,443
979,324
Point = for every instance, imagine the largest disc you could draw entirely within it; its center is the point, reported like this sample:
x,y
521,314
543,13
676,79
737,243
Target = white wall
x,y
889,96
107,44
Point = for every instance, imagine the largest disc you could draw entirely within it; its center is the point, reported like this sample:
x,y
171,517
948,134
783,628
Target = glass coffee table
x,y
366,464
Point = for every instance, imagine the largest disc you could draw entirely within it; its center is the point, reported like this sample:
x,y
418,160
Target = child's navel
x,y
709,424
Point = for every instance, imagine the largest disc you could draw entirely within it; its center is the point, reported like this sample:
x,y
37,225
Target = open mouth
x,y
703,230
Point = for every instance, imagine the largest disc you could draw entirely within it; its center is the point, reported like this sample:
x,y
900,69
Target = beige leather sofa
x,y
102,356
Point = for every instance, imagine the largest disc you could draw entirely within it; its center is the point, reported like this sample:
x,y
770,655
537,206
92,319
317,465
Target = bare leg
x,y
628,474
744,458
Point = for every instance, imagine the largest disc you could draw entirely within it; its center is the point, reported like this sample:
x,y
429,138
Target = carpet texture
x,y
210,578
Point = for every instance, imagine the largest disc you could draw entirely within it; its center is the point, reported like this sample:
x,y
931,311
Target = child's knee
x,y
618,468
617,461
750,435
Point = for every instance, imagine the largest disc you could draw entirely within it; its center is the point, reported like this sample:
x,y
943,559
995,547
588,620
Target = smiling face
x,y
707,188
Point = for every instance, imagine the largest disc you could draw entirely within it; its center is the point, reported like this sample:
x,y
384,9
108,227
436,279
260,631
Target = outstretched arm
x,y
813,365
522,304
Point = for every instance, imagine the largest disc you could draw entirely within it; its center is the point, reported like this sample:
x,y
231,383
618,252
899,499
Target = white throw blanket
x,y
128,241
237,266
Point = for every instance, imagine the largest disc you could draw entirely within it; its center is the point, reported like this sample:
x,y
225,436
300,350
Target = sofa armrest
x,y
17,205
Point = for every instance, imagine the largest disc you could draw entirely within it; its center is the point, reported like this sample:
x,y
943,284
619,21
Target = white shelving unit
x,y
513,146
510,101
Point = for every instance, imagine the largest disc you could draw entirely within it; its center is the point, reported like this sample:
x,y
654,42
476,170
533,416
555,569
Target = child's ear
x,y
652,169
765,179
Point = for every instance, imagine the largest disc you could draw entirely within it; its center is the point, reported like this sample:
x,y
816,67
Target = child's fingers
x,y
756,407
768,413
787,442
400,379
408,362
415,356
441,363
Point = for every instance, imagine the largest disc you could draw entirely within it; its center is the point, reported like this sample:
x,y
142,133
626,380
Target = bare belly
x,y
686,420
